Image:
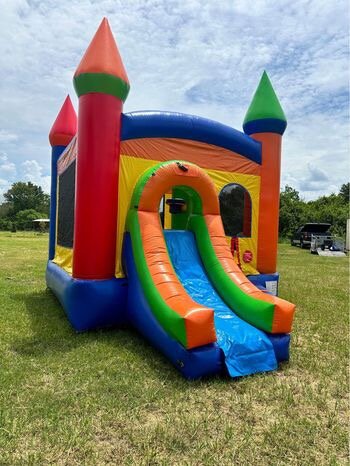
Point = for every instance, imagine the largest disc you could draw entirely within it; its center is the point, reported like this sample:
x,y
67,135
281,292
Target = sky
x,y
202,57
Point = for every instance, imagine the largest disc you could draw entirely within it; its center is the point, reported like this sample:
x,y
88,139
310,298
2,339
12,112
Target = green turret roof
x,y
265,103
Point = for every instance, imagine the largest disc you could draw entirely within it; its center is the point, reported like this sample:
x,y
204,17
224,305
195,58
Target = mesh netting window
x,y
236,210
66,199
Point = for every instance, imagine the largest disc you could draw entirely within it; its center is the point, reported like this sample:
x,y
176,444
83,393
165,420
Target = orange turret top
x,y
65,125
101,69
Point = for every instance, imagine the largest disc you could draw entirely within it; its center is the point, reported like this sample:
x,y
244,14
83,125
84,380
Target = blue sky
x,y
194,56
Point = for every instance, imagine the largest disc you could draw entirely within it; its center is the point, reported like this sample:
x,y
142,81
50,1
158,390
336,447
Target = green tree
x,y
344,193
291,211
25,196
4,209
294,212
329,209
24,219
6,224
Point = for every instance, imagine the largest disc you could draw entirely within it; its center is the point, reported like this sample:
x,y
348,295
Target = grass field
x,y
108,398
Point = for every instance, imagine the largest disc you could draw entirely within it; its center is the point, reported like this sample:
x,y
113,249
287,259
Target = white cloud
x,y
315,181
32,171
29,170
317,174
194,57
7,168
6,136
7,174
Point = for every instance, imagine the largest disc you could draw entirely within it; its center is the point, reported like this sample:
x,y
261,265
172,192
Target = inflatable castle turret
x,y
102,86
62,132
144,208
265,122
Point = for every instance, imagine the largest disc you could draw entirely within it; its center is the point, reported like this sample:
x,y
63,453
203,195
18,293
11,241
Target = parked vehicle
x,y
302,237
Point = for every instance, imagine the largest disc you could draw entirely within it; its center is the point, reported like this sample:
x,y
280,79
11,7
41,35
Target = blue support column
x,y
55,155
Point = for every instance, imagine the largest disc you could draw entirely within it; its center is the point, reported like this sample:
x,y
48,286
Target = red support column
x,y
102,86
97,186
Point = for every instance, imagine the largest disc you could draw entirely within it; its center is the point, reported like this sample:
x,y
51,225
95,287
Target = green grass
x,y
108,398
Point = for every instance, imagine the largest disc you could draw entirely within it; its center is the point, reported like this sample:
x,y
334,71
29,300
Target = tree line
x,y
294,211
25,202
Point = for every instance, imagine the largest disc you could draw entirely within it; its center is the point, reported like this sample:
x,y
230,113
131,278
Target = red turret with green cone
x,y
62,132
102,86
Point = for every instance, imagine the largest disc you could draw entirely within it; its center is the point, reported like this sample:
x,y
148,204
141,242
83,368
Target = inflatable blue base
x,y
268,282
89,304
195,363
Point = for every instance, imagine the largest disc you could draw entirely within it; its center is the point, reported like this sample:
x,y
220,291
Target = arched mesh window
x,y
236,210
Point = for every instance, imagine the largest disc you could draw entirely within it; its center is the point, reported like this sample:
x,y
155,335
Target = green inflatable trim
x,y
170,320
86,83
265,103
256,312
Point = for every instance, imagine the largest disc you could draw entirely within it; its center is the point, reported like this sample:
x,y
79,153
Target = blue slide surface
x,y
247,349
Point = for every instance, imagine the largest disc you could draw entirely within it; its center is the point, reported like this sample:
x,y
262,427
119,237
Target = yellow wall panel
x,y
132,167
64,258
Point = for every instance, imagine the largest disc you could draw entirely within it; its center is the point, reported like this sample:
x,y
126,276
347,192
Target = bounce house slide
x,y
186,294
246,349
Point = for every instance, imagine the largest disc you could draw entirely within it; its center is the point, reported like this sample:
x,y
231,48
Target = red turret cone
x,y
65,126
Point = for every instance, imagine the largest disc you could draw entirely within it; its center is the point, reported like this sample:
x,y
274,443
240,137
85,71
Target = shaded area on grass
x,y
51,332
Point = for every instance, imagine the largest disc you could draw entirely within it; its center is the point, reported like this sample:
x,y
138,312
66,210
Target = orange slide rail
x,y
198,319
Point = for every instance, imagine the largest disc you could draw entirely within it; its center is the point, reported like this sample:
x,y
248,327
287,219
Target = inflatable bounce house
x,y
168,223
